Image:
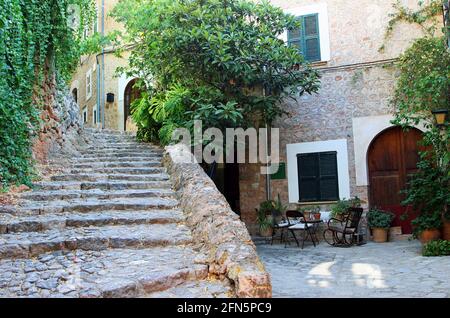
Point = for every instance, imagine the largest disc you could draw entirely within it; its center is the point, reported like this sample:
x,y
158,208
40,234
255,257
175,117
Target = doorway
x,y
392,160
131,94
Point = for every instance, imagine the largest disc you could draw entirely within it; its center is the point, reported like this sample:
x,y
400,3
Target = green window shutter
x,y
308,177
307,38
317,177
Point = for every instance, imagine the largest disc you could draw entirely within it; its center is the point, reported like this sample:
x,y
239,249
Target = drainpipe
x,y
102,95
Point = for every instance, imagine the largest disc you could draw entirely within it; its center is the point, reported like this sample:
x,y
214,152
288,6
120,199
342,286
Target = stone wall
x,y
217,230
61,127
356,81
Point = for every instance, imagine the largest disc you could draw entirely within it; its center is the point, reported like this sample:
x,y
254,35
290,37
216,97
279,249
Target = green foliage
x,y
342,206
423,85
426,221
379,219
428,16
209,60
35,41
436,248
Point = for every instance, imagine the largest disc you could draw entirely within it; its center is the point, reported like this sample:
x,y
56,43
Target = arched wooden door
x,y
131,94
392,159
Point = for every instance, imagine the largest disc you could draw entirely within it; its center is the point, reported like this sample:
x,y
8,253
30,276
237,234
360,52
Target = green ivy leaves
x,y
34,37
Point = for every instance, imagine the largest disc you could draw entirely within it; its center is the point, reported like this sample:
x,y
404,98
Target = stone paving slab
x,y
27,244
394,269
110,273
13,224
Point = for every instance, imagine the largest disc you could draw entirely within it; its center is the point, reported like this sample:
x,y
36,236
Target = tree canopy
x,y
211,60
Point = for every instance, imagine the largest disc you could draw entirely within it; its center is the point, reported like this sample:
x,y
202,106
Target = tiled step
x,y
31,244
102,185
14,224
96,193
93,205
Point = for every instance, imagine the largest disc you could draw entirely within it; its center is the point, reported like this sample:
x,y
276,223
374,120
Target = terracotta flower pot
x,y
446,229
429,235
380,235
317,216
266,232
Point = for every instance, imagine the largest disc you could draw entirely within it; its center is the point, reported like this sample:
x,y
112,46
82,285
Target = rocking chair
x,y
342,233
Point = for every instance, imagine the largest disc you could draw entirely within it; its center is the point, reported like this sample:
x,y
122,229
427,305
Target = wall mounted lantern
x,y
441,116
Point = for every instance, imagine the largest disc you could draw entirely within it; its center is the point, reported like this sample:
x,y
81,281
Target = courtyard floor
x,y
394,269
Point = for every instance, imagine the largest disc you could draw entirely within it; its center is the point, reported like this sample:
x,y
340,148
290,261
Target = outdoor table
x,y
313,229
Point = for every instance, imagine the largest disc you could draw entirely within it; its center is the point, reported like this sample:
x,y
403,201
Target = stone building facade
x,y
96,77
350,110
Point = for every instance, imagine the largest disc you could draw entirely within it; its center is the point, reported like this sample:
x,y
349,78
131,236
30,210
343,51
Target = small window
x,y
306,39
85,115
318,177
88,84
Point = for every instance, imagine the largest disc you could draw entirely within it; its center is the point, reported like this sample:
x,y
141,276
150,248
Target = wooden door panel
x,y
392,159
385,190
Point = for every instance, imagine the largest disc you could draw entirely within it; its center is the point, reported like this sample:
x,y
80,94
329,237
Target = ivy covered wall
x,y
40,41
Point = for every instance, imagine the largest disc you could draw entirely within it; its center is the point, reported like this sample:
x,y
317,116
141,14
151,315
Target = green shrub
x,y
379,219
436,248
342,206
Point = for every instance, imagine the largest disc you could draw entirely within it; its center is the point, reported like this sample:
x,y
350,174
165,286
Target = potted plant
x,y
446,225
316,212
264,218
379,222
340,208
426,227
270,211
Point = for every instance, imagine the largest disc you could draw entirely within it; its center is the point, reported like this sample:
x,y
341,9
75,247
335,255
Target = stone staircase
x,y
107,225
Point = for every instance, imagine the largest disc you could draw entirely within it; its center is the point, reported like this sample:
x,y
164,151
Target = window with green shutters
x,y
306,39
318,177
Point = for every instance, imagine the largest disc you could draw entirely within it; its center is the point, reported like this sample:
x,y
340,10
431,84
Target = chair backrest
x,y
353,218
292,215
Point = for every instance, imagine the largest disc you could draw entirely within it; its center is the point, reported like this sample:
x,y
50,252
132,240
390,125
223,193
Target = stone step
x,y
97,165
131,170
32,244
195,289
104,177
117,159
93,205
108,273
96,193
121,153
14,224
102,185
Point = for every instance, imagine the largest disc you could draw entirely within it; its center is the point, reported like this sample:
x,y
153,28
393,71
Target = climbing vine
x,y
423,85
38,38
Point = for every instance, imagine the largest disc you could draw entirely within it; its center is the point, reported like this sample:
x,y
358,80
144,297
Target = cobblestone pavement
x,y
107,225
394,269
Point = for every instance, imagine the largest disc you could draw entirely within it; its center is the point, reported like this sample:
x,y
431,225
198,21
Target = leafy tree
x,y
36,41
209,60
